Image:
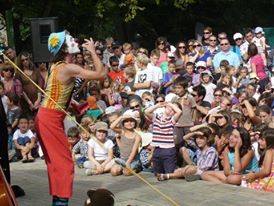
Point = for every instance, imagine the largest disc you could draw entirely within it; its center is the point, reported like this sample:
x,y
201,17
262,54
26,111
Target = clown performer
x,y
49,119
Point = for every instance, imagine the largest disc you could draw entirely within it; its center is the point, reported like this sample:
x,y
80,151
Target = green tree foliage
x,y
122,19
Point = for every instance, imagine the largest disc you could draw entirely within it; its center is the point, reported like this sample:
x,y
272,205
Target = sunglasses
x,y
99,54
115,65
109,47
190,45
225,44
206,32
181,47
158,101
161,43
228,105
238,39
194,46
217,95
137,106
22,60
8,70
201,68
147,99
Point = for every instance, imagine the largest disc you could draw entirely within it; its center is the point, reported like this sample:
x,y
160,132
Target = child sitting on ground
x,y
164,152
24,139
100,152
206,155
128,142
239,158
81,147
73,136
263,179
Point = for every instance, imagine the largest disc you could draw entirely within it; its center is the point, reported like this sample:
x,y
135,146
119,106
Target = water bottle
x,y
244,182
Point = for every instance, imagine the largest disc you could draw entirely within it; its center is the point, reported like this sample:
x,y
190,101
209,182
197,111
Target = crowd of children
x,y
174,113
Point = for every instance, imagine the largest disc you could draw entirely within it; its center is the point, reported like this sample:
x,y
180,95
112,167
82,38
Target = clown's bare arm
x,y
74,70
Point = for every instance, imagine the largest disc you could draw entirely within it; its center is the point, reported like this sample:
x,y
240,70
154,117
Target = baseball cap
x,y
237,36
259,30
116,44
201,64
170,54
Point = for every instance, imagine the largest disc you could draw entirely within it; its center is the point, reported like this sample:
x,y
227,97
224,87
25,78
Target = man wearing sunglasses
x,y
226,54
238,39
206,34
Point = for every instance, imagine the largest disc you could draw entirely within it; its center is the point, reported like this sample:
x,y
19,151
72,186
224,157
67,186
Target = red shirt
x,y
117,76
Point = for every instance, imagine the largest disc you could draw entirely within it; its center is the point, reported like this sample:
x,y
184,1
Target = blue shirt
x,y
167,78
252,166
237,50
230,56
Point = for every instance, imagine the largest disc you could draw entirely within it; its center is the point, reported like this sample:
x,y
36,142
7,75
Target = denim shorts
x,y
192,155
135,164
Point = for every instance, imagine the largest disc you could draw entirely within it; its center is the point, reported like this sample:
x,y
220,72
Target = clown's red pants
x,y
50,129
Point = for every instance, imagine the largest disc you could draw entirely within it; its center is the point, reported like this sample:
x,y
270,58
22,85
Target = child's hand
x,y
250,176
99,169
128,165
239,144
199,133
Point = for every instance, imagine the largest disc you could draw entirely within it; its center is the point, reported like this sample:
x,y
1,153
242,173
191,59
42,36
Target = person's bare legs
x,y
184,154
214,176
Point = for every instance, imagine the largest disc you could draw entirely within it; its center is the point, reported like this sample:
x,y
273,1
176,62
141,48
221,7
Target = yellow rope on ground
x,y
132,171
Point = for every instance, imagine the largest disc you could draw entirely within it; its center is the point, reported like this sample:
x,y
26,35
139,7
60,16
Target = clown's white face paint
x,y
72,45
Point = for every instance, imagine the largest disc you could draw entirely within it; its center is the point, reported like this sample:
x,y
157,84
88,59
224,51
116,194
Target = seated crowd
x,y
202,110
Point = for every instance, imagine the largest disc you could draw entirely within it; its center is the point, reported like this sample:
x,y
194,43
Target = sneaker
x,y
191,178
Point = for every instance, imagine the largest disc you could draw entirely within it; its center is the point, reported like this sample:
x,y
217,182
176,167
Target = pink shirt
x,y
163,58
260,68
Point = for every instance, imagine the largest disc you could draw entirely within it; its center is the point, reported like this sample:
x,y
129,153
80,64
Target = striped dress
x,y
163,132
59,92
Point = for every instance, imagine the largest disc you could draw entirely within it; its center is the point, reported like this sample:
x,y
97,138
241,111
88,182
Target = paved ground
x,y
130,190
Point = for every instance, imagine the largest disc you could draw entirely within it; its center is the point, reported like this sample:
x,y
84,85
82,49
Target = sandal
x,y
31,159
162,177
25,160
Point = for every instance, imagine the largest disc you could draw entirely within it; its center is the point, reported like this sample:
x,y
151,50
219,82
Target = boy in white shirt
x,y
24,139
206,79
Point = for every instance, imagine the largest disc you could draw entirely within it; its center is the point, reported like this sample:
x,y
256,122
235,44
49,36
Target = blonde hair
x,y
202,51
127,46
142,58
130,71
